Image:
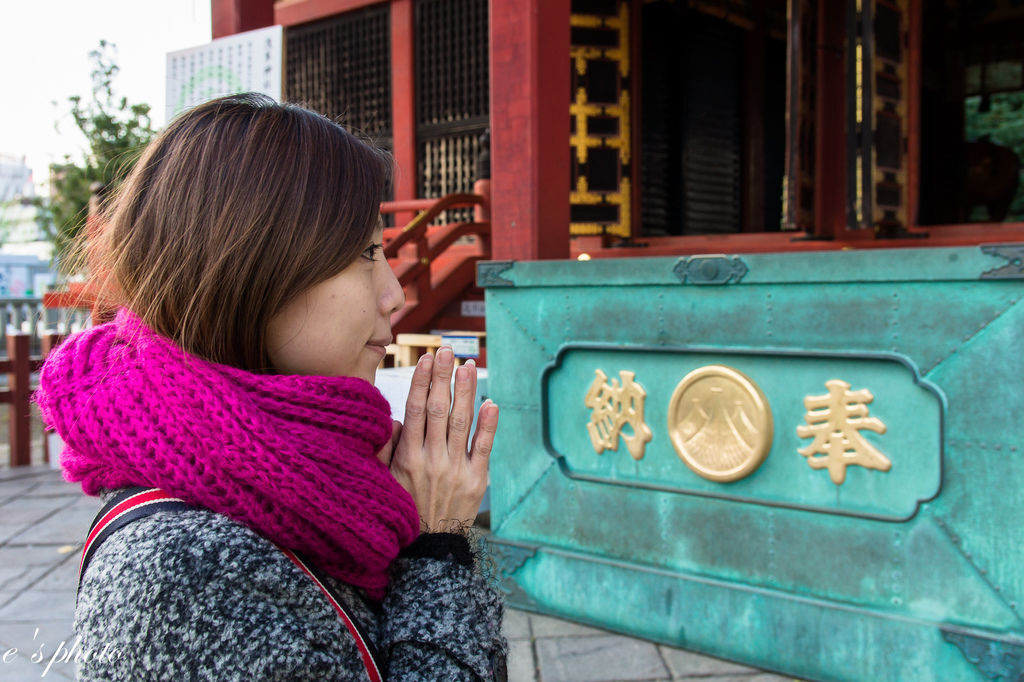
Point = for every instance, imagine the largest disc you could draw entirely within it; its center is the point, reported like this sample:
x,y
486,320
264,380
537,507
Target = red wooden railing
x,y
76,295
433,263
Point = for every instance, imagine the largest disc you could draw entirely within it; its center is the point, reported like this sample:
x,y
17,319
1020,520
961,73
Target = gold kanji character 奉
x,y
835,422
613,407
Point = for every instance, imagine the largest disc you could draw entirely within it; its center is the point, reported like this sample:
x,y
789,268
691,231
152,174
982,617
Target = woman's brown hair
x,y
238,206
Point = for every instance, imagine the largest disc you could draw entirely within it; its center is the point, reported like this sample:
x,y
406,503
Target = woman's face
x,y
340,326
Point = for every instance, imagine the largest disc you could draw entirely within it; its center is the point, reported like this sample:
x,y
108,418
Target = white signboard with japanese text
x,y
245,62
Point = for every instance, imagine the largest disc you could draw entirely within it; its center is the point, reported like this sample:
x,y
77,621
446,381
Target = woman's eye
x,y
369,253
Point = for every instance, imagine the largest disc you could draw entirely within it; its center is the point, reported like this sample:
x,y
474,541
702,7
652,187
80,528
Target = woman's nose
x,y
392,296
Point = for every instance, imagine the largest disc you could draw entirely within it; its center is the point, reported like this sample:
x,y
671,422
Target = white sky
x,y
44,58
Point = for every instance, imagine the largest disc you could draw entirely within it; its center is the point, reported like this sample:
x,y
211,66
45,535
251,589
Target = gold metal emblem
x,y
614,406
835,421
720,423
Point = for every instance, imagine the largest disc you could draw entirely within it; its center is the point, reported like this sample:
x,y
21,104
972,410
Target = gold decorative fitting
x,y
601,197
614,406
835,421
580,54
720,423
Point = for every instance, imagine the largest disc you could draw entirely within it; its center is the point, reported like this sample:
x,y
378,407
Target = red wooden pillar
x,y
830,124
19,409
234,16
530,129
403,102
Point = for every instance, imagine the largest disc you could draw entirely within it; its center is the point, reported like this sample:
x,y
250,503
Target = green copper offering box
x,y
806,462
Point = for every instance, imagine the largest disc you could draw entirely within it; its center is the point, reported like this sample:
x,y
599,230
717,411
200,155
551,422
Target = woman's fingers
x,y
483,439
461,418
430,460
439,400
416,402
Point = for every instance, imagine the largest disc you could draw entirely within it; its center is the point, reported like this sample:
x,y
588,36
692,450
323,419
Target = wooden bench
x,y
408,348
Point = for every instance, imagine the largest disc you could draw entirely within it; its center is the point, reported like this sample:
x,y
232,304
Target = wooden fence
x,y
19,367
30,330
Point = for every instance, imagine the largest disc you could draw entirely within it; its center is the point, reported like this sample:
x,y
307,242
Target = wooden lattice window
x,y
452,96
341,67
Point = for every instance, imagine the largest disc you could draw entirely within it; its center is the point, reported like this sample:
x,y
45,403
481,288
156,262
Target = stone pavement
x,y
43,522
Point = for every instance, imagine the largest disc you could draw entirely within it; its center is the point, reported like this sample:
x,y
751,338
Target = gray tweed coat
x,y
192,595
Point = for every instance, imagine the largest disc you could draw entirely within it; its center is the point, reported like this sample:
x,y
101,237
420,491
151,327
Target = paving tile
x,y
23,510
68,525
9,573
544,626
9,530
31,555
516,624
16,487
682,663
9,475
63,578
521,665
54,487
29,576
605,658
33,605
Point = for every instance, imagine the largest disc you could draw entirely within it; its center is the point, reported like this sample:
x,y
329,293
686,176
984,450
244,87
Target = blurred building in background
x,y
19,233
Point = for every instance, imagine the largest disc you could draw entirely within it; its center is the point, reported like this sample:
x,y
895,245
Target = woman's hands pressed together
x,y
431,455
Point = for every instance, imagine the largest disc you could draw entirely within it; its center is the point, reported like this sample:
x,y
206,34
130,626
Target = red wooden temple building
x,y
630,127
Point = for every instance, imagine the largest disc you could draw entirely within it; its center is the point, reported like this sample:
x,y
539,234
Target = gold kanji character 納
x,y
835,422
613,407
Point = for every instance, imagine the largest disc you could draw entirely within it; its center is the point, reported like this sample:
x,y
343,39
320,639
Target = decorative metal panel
x,y
716,426
811,465
600,128
452,96
341,67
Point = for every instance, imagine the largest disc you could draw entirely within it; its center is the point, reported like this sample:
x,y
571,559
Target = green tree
x,y
115,131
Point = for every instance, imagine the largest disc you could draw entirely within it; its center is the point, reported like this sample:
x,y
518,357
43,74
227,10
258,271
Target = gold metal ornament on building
x,y
720,423
614,406
835,421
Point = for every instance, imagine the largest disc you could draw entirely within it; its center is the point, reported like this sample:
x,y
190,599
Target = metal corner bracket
x,y
1013,254
488,273
996,660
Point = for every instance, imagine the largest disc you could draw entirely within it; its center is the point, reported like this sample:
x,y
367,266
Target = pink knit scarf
x,y
291,457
